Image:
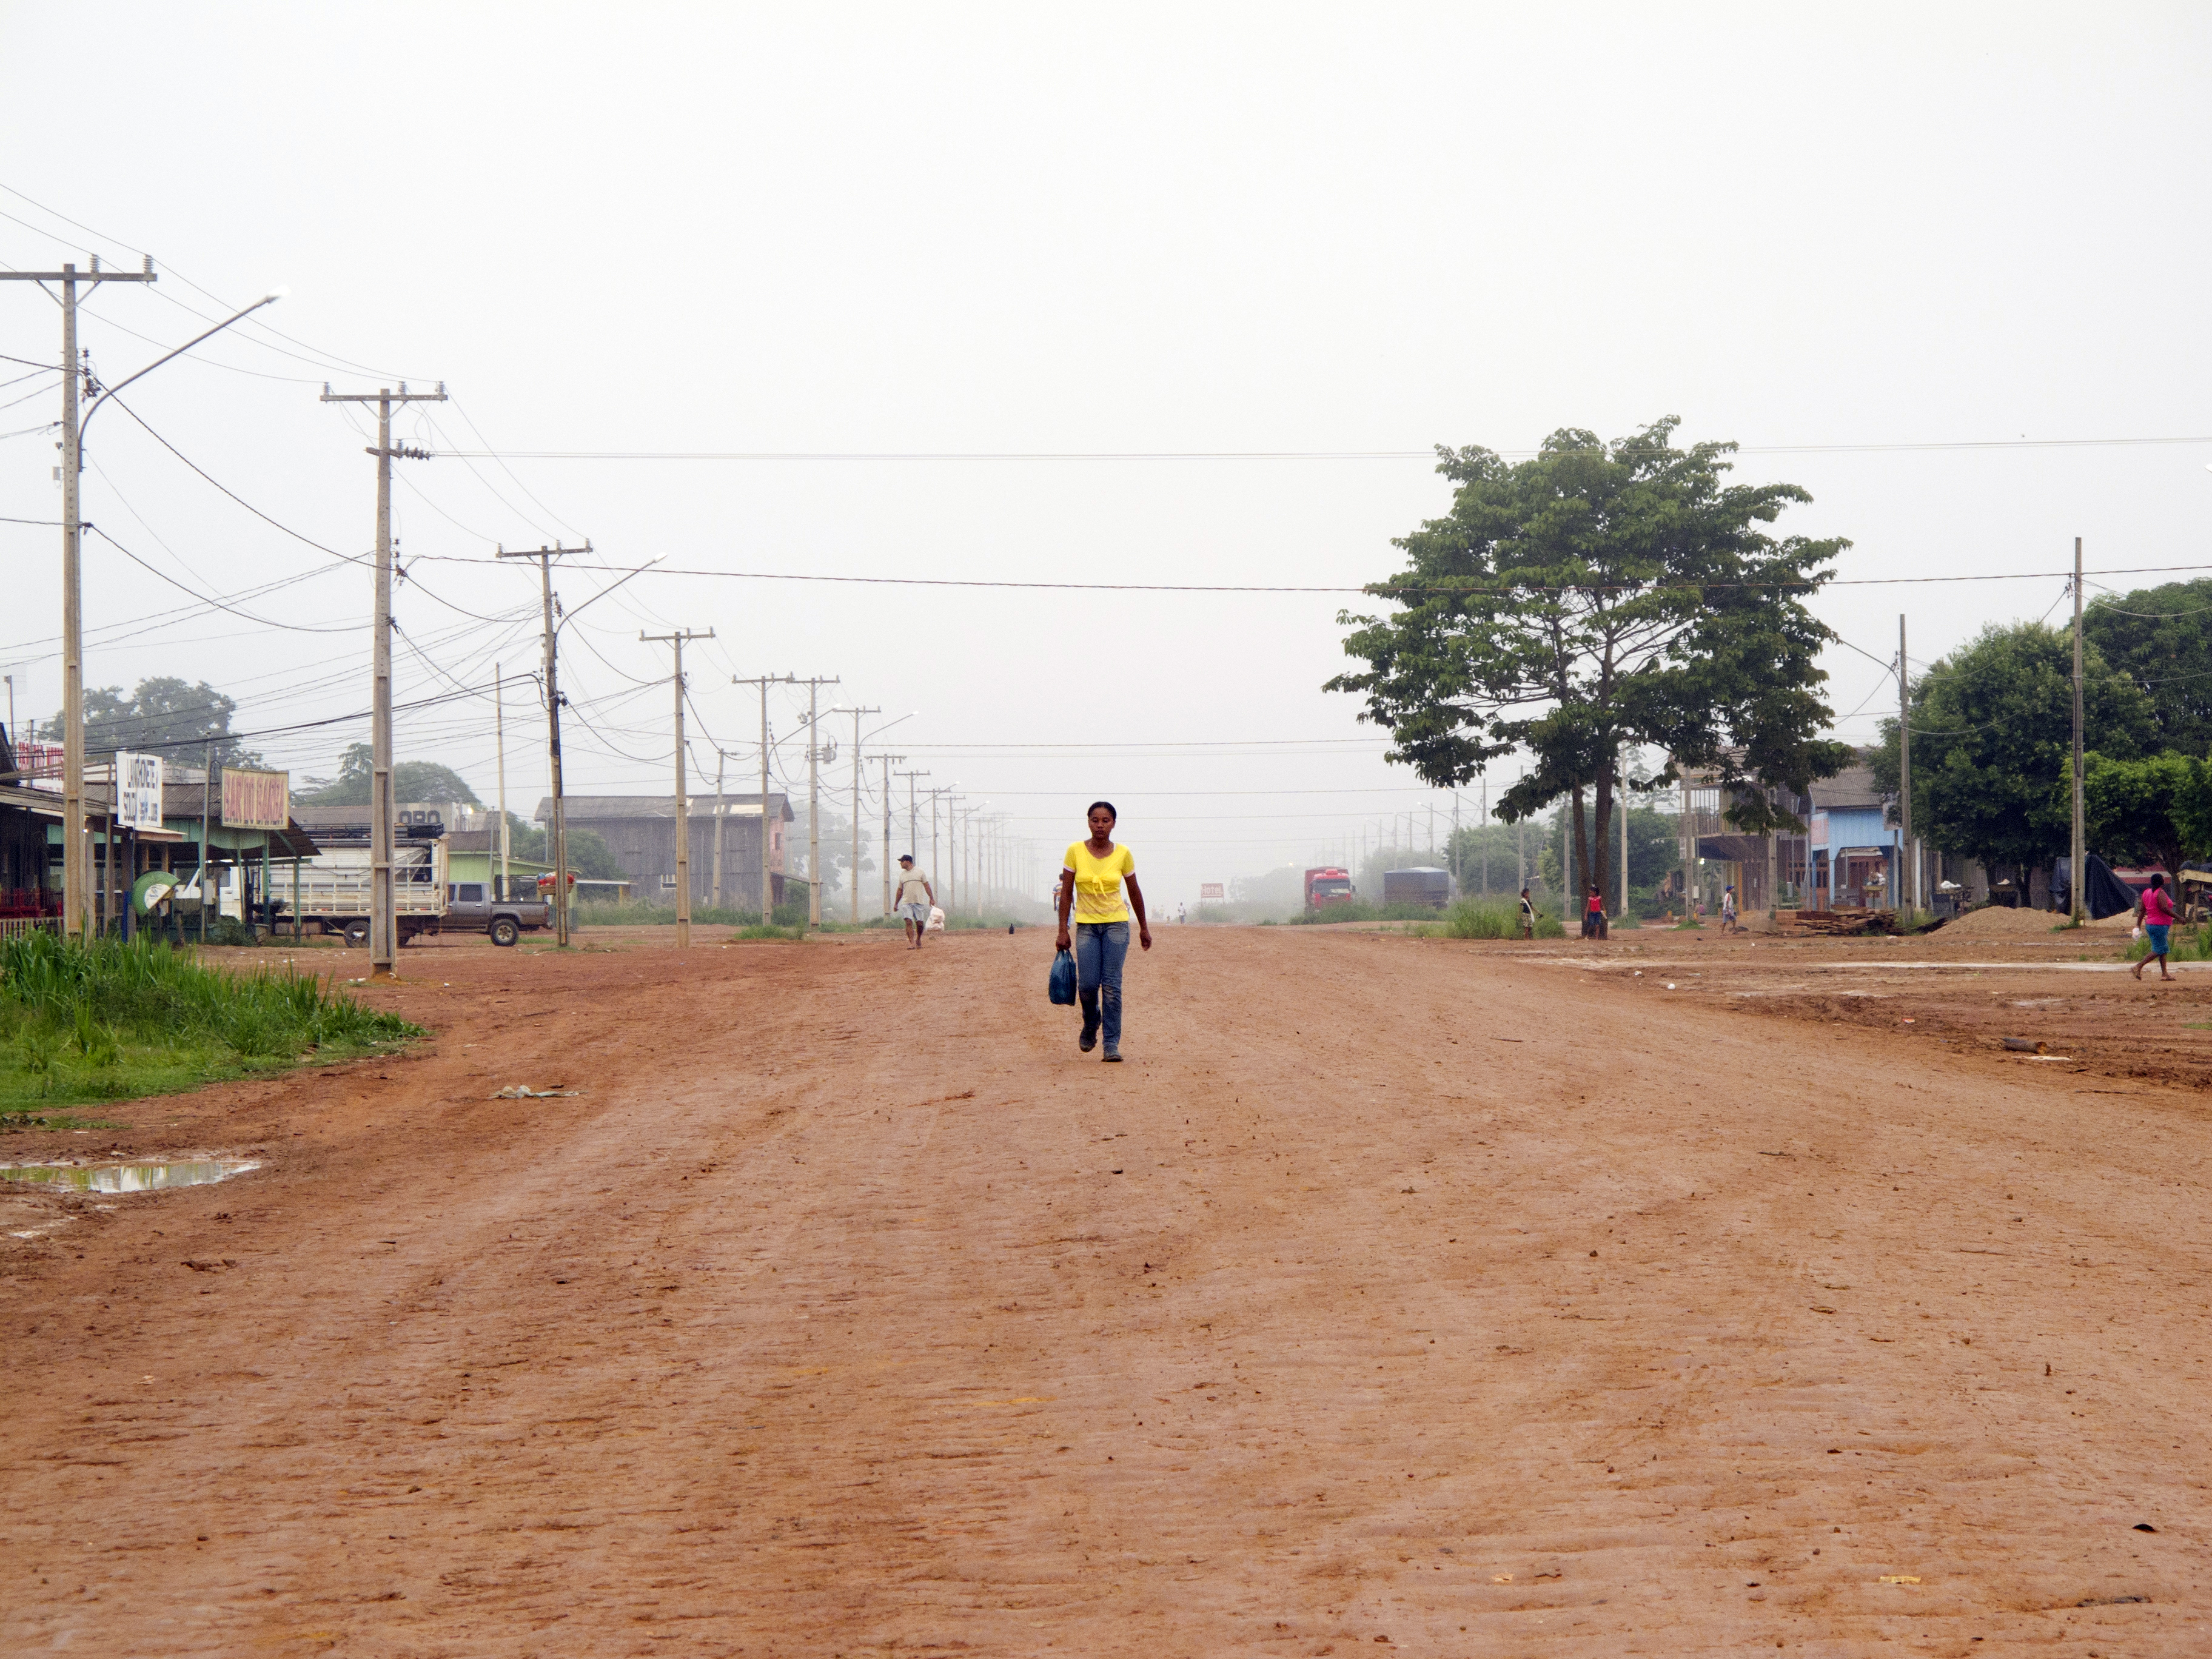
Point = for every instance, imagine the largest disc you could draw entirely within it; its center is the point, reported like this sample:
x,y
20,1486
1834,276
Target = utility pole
x,y
499,732
683,805
767,885
889,762
815,757
856,714
936,871
76,886
557,831
1908,867
913,815
714,892
2080,849
383,935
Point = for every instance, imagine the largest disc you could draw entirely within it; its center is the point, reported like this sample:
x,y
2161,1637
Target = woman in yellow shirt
x,y
1092,878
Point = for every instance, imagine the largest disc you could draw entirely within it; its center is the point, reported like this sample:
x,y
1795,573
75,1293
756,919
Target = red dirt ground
x,y
1449,1298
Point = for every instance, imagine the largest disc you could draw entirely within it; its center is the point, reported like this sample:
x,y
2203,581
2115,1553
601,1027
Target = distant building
x,y
640,830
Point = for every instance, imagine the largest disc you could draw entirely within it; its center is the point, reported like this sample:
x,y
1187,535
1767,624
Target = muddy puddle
x,y
135,1177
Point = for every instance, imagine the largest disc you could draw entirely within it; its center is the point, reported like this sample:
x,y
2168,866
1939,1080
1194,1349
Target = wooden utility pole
x,y
935,873
683,804
557,831
2080,847
499,734
856,713
767,883
76,884
1908,866
383,932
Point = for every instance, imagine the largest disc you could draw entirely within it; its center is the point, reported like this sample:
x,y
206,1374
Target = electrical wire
x,y
1384,589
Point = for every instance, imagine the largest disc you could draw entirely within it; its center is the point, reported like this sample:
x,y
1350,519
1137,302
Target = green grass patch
x,y
1498,919
107,1020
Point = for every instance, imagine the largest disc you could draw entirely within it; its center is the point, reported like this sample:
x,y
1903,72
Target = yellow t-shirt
x,y
1098,882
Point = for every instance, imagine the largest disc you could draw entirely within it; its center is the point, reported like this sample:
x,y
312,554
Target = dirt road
x,y
1394,1294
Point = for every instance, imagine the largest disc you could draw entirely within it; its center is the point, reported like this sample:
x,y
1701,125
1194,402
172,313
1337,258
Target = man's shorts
x,y
915,913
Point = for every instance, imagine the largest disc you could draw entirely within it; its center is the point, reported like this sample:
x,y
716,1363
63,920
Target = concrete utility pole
x,y
557,831
815,757
683,804
1908,866
935,873
2080,849
913,814
383,935
889,762
499,736
767,885
854,916
1624,834
715,892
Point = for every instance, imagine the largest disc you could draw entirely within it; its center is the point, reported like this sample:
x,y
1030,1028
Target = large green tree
x,y
1992,741
1595,596
2161,638
182,719
2156,810
411,781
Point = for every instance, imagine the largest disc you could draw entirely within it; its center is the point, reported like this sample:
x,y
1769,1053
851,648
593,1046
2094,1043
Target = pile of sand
x,y
1998,921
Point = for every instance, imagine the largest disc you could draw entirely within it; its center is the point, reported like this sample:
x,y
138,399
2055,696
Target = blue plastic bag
x,y
1061,983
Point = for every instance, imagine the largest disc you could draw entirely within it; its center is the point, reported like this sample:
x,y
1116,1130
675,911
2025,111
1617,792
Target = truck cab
x,y
472,908
1327,885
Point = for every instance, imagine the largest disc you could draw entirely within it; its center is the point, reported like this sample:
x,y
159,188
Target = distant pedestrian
x,y
2157,925
1594,915
1180,917
1728,910
1527,915
1092,878
916,900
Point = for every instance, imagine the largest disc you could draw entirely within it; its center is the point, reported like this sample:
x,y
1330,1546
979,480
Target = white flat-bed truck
x,y
334,885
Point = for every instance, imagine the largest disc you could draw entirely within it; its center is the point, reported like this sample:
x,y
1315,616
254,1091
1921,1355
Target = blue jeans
x,y
1100,948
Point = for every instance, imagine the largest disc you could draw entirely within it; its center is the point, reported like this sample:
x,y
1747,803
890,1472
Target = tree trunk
x,y
1600,837
1576,880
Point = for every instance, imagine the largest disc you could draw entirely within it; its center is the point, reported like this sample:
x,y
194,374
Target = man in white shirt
x,y
915,899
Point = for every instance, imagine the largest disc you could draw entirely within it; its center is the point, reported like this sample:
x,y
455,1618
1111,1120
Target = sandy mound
x,y
1997,921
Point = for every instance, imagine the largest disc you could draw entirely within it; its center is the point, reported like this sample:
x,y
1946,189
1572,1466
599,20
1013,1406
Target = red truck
x,y
1327,885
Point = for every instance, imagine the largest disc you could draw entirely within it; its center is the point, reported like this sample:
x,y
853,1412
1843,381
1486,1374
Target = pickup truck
x,y
470,906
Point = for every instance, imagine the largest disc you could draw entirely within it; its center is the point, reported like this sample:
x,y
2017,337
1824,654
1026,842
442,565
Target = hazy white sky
x,y
993,230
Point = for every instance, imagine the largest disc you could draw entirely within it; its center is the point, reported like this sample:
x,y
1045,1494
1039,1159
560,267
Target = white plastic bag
x,y
936,922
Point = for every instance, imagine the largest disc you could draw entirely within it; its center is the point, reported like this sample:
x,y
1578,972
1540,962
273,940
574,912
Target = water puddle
x,y
126,1177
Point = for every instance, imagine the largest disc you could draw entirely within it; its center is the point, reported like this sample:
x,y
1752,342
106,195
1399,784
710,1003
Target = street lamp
x,y
77,889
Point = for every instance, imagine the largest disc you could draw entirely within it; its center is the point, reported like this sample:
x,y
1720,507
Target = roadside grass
x,y
1473,919
107,1020
1361,910
2193,945
786,921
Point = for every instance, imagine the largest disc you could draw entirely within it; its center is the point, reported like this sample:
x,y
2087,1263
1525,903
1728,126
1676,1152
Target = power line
x,y
1386,589
847,455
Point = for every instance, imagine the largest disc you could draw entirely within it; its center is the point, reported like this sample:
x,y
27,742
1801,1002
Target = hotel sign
x,y
255,800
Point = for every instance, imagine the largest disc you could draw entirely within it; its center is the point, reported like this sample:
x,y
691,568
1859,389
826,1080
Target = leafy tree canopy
x,y
411,781
2156,810
1596,596
1992,741
176,719
2161,638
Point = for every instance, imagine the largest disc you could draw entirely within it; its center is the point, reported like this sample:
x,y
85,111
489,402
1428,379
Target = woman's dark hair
x,y
2159,880
1108,805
